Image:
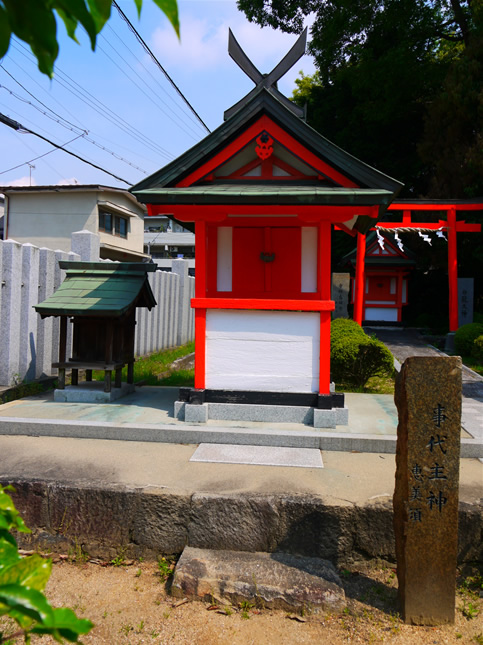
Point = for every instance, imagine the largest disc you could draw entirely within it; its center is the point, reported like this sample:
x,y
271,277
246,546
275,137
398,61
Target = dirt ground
x,y
129,605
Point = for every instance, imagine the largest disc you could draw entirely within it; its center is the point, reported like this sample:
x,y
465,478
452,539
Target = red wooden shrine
x,y
264,191
385,289
451,226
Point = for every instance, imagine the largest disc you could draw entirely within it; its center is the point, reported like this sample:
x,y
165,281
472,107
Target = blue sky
x,y
123,101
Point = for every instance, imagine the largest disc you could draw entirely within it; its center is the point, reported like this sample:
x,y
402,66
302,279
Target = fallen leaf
x,y
180,602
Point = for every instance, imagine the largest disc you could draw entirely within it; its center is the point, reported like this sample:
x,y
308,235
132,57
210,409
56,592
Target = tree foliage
x,y
35,22
398,84
22,581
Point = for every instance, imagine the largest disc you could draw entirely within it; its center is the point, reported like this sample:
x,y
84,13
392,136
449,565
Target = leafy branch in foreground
x,y
22,581
34,21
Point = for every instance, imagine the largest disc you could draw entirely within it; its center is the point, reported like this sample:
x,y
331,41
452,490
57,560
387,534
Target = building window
x,y
113,224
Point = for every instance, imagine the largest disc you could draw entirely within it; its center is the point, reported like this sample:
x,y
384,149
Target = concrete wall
x,y
29,275
47,218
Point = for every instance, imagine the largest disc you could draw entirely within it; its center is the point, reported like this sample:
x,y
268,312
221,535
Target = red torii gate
x,y
452,227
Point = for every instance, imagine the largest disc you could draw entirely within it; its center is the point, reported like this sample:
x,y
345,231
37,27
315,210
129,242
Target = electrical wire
x,y
175,105
19,127
181,125
103,110
155,60
25,163
84,133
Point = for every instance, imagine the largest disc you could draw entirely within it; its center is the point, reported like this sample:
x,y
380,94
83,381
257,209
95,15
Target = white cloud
x,y
23,181
67,182
204,43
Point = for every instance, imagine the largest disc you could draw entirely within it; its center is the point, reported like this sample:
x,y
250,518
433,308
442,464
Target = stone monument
x,y
428,399
340,294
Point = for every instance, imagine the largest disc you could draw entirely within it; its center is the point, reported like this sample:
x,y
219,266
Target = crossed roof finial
x,y
269,81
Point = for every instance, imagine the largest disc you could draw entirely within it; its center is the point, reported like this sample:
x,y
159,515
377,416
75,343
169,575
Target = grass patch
x,y
180,378
148,368
473,364
375,385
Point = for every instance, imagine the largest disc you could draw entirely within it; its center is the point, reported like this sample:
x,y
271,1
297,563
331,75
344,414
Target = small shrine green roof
x,y
100,289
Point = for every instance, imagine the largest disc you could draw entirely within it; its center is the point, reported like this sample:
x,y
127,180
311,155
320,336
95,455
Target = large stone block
x,y
240,522
161,521
275,580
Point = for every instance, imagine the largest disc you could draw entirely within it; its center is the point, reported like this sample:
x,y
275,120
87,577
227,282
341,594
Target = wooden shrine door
x,y
266,262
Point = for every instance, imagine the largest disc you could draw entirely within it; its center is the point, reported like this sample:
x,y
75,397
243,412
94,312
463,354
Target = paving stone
x,y
258,455
272,580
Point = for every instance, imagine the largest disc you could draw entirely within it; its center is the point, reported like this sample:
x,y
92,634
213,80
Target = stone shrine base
x,y
193,413
91,392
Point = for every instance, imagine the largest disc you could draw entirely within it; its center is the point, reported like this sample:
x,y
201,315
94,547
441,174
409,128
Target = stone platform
x,y
92,392
191,413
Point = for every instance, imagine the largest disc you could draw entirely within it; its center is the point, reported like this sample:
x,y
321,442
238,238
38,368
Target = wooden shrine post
x,y
428,398
359,286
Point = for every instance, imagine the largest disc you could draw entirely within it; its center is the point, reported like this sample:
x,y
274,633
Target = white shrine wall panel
x,y
276,351
224,261
381,313
309,259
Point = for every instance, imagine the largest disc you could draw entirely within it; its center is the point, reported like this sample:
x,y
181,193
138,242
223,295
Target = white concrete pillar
x,y
29,295
11,280
87,245
47,263
180,267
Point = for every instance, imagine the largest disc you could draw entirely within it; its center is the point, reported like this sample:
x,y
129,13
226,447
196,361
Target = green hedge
x,y
477,349
354,356
465,337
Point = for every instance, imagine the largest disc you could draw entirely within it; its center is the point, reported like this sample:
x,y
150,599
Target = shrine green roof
x,y
253,194
100,289
263,102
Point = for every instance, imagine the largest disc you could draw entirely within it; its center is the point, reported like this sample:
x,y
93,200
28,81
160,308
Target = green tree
x,y
391,78
35,22
22,581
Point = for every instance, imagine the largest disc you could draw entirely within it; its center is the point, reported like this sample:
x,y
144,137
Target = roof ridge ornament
x,y
268,81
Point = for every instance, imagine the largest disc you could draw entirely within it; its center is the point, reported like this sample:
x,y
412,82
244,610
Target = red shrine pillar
x,y
452,270
359,285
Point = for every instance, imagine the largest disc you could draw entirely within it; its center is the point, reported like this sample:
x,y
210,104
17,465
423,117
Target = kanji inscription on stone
x,y
428,399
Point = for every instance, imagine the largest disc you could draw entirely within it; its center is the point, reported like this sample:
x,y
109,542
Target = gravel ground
x,y
129,605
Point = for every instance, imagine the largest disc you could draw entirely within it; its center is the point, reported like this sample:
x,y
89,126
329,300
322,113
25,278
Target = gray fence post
x,y
180,267
45,325
86,244
11,280
29,296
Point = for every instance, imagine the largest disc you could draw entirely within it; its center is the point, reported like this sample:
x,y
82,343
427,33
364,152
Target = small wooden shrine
x,y
264,190
100,300
385,278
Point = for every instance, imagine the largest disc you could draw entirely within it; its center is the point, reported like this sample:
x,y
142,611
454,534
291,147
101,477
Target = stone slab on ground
x,y
258,455
92,392
272,580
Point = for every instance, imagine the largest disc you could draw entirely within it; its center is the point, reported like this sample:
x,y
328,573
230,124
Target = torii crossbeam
x,y
269,81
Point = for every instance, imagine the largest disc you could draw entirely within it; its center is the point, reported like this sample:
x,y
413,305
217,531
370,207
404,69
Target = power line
x,y
74,128
143,43
35,158
20,128
103,110
181,125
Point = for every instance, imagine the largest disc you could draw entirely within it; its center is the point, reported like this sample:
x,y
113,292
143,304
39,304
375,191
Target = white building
x,y
165,240
46,216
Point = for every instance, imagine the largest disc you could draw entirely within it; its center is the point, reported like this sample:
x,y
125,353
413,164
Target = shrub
x,y
355,359
465,337
342,327
477,349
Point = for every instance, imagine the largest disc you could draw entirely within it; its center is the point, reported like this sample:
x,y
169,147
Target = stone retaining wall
x,y
149,522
